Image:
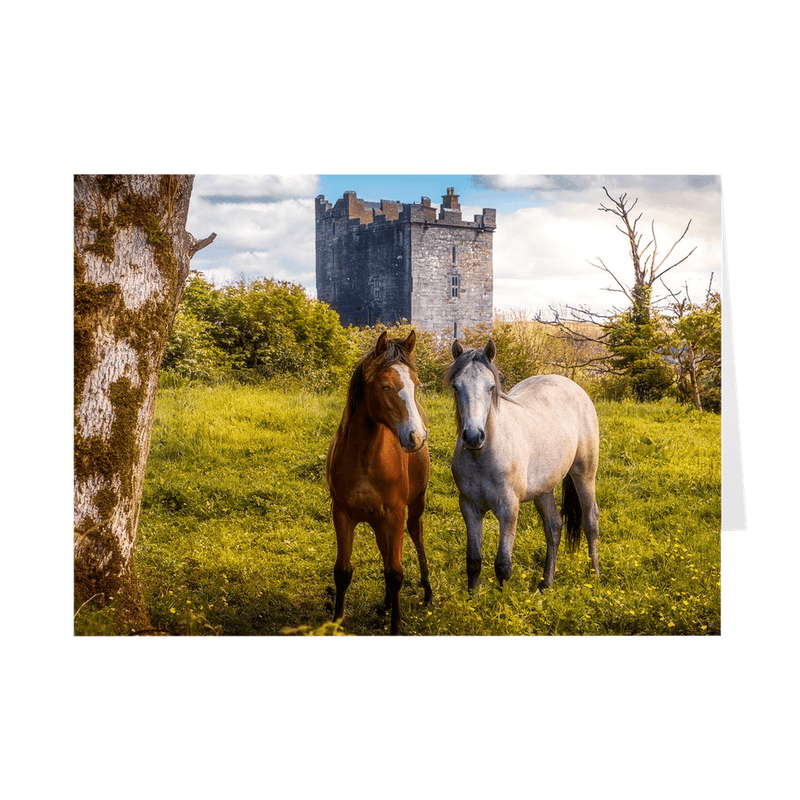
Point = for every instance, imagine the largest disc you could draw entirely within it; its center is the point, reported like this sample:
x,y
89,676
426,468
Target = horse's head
x,y
391,383
476,388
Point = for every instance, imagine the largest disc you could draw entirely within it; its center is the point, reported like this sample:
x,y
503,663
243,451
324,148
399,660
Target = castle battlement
x,y
389,260
351,207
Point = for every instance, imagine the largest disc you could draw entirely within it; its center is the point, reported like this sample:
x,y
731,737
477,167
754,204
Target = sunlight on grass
x,y
235,535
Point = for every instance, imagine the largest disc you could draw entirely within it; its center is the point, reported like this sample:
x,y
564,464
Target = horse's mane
x,y
467,357
367,369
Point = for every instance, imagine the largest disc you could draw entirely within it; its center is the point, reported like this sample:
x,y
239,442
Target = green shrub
x,y
192,352
698,349
271,330
638,356
255,331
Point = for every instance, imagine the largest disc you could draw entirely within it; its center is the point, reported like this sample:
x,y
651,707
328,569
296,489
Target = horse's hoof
x,y
502,572
397,630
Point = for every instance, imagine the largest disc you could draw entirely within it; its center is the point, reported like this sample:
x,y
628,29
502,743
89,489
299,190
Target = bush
x,y
637,354
192,352
271,330
698,335
254,331
524,348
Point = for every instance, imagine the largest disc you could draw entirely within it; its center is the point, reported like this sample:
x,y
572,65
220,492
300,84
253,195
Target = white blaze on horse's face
x,y
474,387
411,429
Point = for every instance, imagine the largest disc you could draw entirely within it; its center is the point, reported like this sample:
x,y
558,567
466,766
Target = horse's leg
x,y
389,534
507,515
342,569
551,519
585,487
473,519
415,509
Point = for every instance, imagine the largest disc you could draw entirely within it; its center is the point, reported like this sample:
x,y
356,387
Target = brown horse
x,y
378,465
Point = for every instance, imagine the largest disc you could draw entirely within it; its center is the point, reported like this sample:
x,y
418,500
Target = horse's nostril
x,y
415,441
473,438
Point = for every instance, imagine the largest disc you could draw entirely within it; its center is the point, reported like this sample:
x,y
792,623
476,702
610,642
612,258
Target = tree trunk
x,y
132,254
693,378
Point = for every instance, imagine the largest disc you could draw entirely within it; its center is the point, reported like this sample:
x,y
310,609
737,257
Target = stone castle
x,y
389,261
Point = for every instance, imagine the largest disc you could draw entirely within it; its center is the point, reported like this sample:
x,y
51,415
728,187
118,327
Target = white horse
x,y
516,447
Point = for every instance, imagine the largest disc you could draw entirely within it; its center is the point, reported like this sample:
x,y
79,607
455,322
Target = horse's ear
x,y
410,341
382,344
456,349
490,351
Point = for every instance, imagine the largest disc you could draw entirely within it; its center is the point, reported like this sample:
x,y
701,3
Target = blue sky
x,y
549,228
410,188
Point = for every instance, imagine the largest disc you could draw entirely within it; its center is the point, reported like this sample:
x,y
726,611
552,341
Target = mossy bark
x,y
131,257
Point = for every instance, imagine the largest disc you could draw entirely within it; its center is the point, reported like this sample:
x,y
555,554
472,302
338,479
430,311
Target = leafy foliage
x,y
255,331
271,330
192,351
637,354
698,346
677,353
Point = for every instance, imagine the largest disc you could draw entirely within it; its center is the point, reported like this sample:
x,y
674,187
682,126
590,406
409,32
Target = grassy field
x,y
235,536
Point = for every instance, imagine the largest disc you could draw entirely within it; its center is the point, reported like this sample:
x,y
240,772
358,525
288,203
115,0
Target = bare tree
x,y
131,261
627,343
647,267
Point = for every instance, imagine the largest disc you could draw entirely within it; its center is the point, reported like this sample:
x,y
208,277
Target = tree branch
x,y
202,243
665,271
655,267
622,288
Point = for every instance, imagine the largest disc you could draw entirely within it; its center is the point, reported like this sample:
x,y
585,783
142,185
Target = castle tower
x,y
390,261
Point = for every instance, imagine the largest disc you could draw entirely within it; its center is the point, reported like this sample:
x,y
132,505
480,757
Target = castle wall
x,y
440,255
391,262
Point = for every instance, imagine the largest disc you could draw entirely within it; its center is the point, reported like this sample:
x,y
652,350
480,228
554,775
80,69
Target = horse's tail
x,y
571,512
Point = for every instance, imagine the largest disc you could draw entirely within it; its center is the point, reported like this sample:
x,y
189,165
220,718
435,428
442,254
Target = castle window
x,y
454,286
454,254
376,288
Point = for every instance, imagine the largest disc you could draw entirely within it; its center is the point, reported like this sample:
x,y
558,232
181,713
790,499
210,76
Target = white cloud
x,y
273,240
542,253
517,181
273,187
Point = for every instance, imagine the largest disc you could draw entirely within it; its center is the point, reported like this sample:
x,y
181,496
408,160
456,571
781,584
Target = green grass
x,y
235,536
